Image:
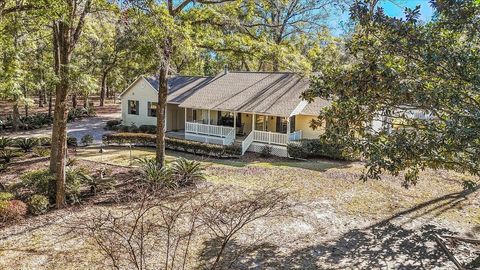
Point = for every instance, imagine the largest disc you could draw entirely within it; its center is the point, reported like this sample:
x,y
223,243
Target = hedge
x,y
315,148
197,148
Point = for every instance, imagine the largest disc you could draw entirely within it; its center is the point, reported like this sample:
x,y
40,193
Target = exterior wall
x,y
143,92
246,120
302,122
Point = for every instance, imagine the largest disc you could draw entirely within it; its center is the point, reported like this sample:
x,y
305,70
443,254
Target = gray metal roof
x,y
259,92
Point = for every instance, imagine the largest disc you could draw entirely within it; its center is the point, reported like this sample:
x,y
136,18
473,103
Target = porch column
x,y
208,118
185,126
253,122
288,129
234,122
166,119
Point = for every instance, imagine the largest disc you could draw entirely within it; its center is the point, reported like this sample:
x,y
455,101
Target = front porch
x,y
226,128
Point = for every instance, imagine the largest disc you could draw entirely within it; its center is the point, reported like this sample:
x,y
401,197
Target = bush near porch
x,y
317,148
197,148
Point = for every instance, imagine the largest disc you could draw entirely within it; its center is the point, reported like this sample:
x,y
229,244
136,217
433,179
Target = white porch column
x,y
288,129
234,122
185,126
253,122
208,117
166,119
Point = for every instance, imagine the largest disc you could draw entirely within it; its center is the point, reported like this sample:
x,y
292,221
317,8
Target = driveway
x,y
92,125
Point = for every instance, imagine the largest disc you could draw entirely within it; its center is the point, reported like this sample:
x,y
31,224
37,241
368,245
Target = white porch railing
x,y
295,136
270,137
209,130
247,142
230,138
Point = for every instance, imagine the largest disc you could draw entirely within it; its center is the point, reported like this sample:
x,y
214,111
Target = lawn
x,y
335,220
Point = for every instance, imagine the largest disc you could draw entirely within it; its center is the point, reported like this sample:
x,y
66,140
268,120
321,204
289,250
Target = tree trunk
x,y
85,101
40,99
56,67
50,104
162,103
74,101
103,89
15,117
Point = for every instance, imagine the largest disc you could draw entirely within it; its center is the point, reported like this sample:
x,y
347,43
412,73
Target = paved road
x,y
93,126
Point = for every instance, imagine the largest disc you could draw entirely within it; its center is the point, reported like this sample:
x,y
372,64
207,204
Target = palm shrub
x,y
38,204
7,155
186,172
87,139
155,175
41,151
26,144
5,142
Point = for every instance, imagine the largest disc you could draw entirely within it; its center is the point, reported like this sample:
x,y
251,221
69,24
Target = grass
x,y
310,181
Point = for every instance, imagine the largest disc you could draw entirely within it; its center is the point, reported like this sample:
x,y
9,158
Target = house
x,y
253,109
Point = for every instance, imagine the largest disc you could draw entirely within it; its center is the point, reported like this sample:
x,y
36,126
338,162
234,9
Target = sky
x,y
392,8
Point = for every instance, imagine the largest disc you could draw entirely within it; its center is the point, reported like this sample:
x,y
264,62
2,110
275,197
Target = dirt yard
x,y
336,221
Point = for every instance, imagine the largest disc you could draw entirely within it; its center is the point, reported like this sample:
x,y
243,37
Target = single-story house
x,y
253,109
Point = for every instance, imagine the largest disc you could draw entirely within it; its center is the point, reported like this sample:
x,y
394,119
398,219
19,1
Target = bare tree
x,y
161,229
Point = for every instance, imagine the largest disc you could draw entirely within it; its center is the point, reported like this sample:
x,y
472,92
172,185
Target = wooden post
x,y
185,127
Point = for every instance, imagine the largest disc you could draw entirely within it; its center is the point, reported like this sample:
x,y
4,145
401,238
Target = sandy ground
x,y
336,221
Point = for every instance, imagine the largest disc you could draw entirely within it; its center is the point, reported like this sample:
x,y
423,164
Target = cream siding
x,y
302,122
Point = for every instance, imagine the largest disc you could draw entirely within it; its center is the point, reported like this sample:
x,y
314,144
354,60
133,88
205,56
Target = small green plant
x,y
7,155
12,210
26,144
71,162
469,185
38,204
41,151
87,140
44,141
187,172
6,196
112,124
155,175
5,142
72,142
266,151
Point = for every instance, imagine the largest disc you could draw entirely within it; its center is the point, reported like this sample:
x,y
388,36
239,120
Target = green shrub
x,y
187,172
6,196
296,150
174,144
12,210
87,139
72,142
5,142
133,128
41,151
155,175
38,204
123,128
266,151
44,141
7,155
26,144
319,148
150,129
42,182
35,121
112,124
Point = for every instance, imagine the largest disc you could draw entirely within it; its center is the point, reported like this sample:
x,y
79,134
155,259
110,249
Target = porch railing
x,y
295,136
209,130
270,137
247,142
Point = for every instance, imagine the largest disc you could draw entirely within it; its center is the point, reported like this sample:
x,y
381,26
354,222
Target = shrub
x,y
266,151
72,141
35,121
7,155
5,142
12,210
112,124
155,175
44,141
133,128
43,183
41,151
38,204
151,129
174,144
26,144
87,139
296,150
309,148
6,196
123,128
187,172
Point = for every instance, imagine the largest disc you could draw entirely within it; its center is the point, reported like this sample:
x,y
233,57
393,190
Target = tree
x,y
67,30
400,68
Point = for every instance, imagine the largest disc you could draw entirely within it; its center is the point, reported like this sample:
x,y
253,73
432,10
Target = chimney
x,y
225,69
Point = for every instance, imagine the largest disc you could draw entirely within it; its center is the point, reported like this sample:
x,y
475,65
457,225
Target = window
x,y
282,124
152,109
133,107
